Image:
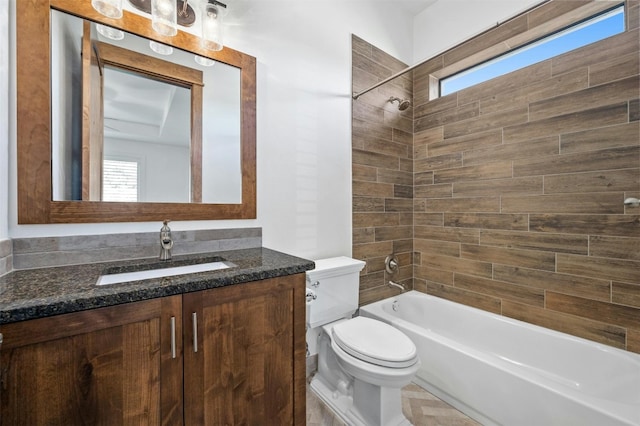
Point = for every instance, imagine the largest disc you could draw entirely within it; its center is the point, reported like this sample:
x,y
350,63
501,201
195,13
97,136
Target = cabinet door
x,y
108,366
248,366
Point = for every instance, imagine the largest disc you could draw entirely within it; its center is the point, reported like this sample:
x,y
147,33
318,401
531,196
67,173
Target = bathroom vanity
x,y
208,348
211,348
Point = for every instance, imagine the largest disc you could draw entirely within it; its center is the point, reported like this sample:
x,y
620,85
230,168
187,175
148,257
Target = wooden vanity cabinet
x,y
107,366
238,358
244,354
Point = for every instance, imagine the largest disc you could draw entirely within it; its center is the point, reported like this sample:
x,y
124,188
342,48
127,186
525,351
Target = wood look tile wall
x,y
518,183
382,146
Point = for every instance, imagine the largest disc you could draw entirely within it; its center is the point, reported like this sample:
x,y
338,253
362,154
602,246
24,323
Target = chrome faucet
x,y
166,243
396,285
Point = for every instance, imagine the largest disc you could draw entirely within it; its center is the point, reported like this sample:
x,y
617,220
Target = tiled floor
x,y
420,407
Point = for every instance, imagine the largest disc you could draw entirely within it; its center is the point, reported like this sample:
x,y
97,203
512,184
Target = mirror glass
x,y
146,145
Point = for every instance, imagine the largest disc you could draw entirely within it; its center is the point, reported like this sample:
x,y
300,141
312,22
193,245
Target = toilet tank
x,y
336,283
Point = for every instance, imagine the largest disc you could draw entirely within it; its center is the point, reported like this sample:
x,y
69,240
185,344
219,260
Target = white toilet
x,y
362,363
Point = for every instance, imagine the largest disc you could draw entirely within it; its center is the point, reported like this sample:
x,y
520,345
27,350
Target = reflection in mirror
x,y
36,131
140,114
146,139
144,143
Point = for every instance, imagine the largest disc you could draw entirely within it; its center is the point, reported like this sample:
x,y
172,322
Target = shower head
x,y
402,103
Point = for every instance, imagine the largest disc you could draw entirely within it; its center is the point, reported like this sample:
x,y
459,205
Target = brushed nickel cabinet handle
x,y
194,319
173,337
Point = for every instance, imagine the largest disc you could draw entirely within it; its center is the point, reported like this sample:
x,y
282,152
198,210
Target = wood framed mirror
x,y
34,93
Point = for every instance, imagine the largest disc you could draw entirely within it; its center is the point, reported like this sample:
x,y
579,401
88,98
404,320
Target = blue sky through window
x,y
579,35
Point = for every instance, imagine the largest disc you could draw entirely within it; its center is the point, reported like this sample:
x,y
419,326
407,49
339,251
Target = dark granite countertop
x,y
38,293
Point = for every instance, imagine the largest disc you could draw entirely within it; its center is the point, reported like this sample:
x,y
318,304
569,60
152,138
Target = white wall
x,y
303,49
4,120
66,95
163,168
450,22
304,113
221,161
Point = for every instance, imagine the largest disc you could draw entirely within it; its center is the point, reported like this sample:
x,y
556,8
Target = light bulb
x,y
212,27
109,8
164,18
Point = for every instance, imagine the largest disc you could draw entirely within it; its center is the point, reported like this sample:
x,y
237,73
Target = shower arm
x,y
386,80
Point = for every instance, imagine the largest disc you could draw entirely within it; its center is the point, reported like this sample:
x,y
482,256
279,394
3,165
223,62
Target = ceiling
x,y
238,8
413,7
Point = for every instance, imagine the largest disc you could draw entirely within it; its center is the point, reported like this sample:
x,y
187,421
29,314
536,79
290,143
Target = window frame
x,y
553,35
512,34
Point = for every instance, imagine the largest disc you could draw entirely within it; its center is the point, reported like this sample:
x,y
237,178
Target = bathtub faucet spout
x,y
400,286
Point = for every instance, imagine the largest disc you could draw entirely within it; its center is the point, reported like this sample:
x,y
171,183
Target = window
x,y
596,28
120,180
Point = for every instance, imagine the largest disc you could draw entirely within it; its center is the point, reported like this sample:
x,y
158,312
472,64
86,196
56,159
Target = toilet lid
x,y
375,342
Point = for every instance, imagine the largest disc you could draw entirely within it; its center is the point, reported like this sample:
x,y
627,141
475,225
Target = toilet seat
x,y
375,342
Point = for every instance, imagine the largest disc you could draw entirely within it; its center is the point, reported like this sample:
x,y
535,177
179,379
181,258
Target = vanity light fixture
x,y
166,15
212,20
109,8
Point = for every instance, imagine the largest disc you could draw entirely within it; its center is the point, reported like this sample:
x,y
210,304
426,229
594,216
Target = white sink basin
x,y
162,272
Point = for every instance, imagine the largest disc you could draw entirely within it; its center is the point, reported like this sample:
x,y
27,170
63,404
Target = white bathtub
x,y
507,372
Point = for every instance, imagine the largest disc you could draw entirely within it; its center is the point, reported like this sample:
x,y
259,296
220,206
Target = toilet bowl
x,y
362,363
